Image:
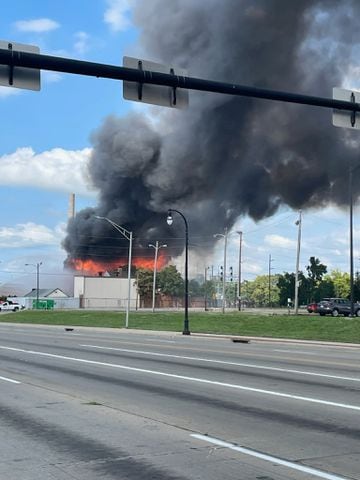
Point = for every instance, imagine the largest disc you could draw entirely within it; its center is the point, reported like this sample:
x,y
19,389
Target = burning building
x,y
224,157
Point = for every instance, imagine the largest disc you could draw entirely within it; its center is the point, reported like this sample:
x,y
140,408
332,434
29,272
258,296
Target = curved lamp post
x,y
157,248
169,220
129,236
37,265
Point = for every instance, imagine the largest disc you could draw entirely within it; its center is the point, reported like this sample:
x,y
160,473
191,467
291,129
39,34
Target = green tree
x,y
286,286
170,281
144,282
325,289
231,294
257,291
208,290
341,283
315,271
303,289
195,289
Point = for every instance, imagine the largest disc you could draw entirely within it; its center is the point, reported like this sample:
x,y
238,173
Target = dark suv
x,y
337,306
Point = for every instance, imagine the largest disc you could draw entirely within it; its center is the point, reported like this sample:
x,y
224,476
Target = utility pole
x,y
156,247
298,223
37,265
270,260
239,280
351,243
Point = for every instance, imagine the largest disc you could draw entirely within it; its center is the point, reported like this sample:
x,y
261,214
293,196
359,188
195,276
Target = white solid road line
x,y
269,458
184,377
222,362
6,379
295,352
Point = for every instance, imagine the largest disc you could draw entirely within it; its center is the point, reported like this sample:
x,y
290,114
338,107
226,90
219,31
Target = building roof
x,y
44,292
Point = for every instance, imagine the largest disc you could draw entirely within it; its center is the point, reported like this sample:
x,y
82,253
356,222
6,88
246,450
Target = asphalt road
x,y
104,404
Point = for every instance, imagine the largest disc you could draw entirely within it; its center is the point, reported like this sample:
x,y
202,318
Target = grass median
x,y
306,327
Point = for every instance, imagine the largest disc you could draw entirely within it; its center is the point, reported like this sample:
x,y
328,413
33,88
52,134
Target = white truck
x,y
10,307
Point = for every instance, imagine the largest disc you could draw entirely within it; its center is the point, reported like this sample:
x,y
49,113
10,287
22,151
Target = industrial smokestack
x,y
225,156
71,210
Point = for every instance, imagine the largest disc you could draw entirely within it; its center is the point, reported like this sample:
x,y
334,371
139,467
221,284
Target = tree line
x,y
315,283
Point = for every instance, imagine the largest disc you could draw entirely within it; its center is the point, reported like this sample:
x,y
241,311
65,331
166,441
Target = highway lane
x,y
144,396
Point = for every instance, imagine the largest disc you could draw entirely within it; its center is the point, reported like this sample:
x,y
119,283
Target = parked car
x,y
337,306
312,307
10,306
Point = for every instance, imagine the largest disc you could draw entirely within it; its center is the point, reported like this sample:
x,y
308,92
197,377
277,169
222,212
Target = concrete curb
x,y
243,339
234,338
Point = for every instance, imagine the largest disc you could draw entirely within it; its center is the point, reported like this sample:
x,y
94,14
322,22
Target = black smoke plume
x,y
225,157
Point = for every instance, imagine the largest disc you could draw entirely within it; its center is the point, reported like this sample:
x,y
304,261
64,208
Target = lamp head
x,y
169,218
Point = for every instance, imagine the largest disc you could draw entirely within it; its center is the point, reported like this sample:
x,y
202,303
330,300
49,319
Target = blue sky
x,y
45,145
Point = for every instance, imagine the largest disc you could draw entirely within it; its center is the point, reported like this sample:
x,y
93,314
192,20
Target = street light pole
x,y
129,236
37,265
225,236
169,220
157,247
296,305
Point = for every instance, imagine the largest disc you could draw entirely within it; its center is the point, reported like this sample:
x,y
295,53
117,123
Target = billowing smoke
x,y
225,157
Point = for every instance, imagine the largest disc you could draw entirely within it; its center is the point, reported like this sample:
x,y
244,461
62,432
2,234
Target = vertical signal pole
x,y
224,276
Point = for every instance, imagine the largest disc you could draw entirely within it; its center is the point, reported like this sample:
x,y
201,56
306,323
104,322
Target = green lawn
x,y
307,327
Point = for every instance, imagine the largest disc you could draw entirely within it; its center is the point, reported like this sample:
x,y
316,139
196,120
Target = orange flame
x,y
93,267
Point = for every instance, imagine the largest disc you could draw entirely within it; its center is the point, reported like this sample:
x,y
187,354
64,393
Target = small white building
x,y
104,292
47,293
49,298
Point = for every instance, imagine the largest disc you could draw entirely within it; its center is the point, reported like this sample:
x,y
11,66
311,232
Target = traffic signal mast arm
x,y
15,58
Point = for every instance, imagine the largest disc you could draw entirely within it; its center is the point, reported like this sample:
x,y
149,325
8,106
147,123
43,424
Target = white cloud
x,y
81,42
117,14
250,267
50,77
9,91
38,25
46,77
351,79
56,169
28,235
279,241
